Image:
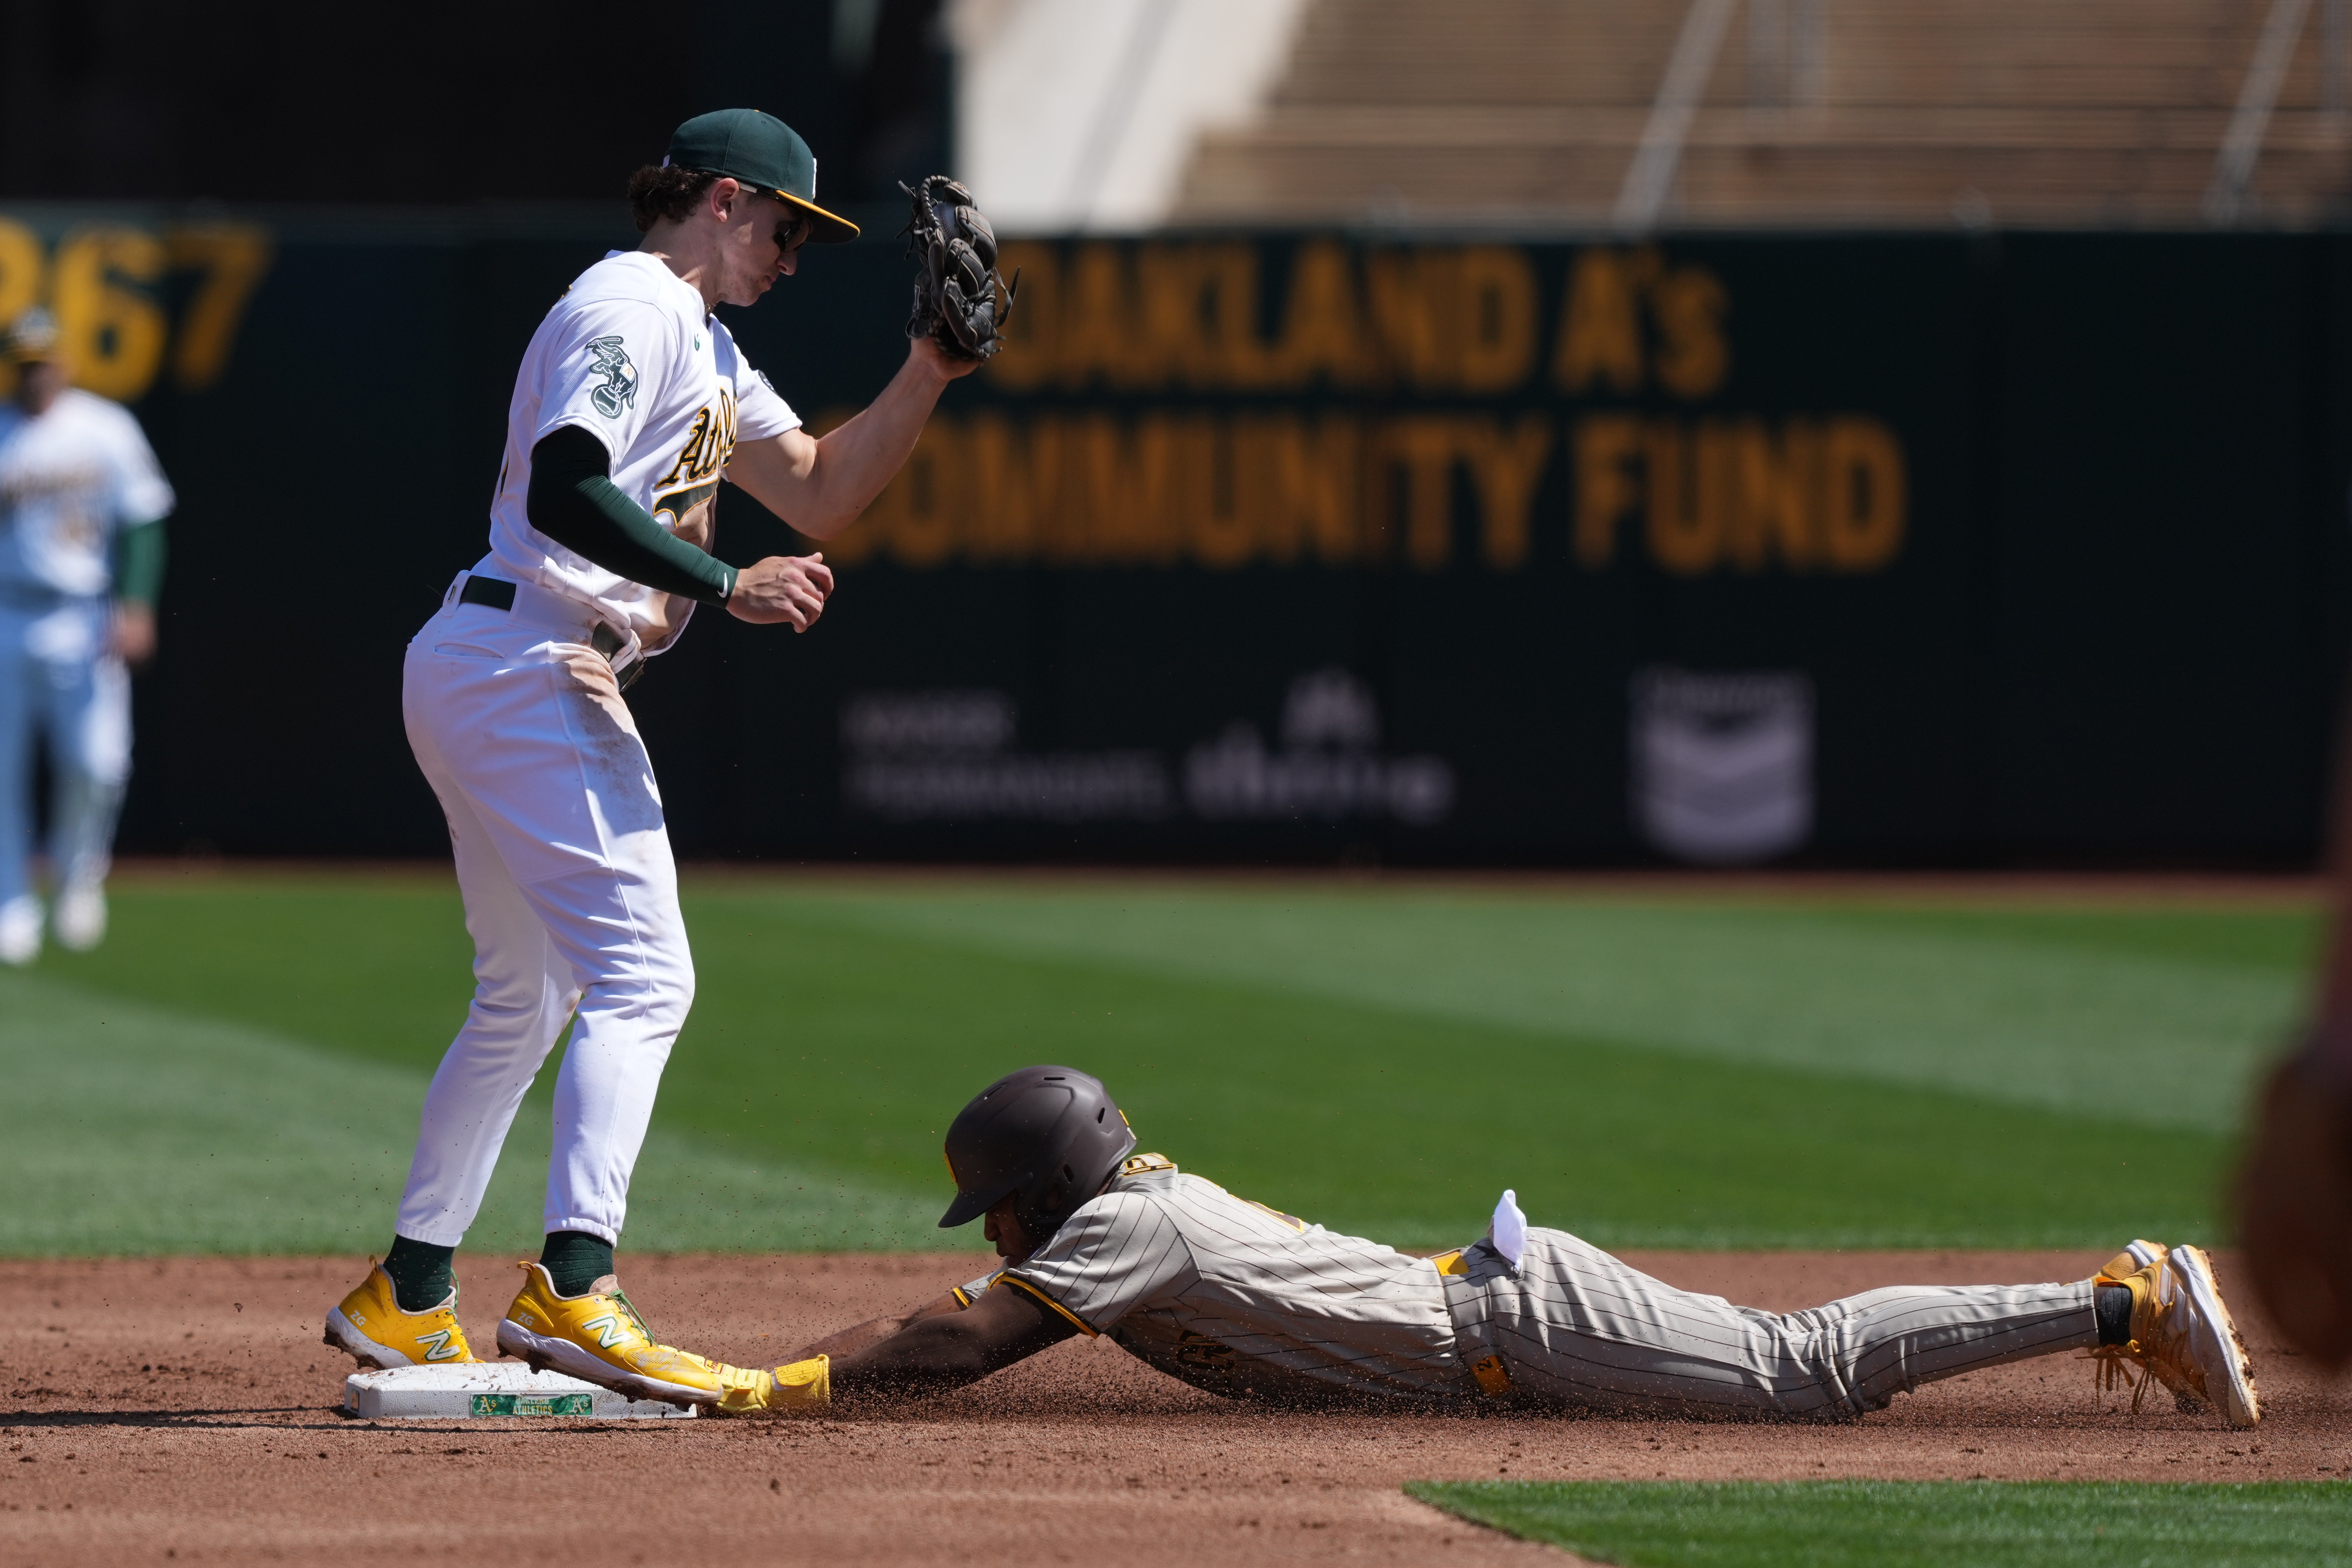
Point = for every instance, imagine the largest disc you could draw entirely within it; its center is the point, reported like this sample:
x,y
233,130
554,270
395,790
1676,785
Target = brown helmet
x,y
1047,1137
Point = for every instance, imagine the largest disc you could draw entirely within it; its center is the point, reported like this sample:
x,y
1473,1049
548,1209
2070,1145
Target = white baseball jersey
x,y
69,481
1235,1297
630,355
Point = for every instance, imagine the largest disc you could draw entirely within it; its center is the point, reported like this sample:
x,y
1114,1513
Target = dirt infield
x,y
181,1410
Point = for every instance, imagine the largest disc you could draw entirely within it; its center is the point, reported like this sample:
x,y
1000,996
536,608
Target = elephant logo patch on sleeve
x,y
620,388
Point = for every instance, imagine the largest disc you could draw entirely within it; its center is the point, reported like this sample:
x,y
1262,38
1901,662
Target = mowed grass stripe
x,y
132,1130
2154,1019
2138,1012
1406,1128
834,1046
1861,1524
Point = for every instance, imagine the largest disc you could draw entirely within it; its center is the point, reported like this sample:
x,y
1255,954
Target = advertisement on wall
x,y
1717,550
1331,546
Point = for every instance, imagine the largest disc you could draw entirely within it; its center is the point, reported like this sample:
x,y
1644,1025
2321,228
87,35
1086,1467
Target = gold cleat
x,y
599,1338
372,1325
2131,1260
2181,1334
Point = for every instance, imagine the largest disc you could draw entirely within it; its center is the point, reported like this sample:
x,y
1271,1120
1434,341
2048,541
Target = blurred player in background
x,y
82,504
2294,1196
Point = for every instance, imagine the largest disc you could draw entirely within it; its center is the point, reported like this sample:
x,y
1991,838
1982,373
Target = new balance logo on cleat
x,y
601,1337
608,1330
373,1329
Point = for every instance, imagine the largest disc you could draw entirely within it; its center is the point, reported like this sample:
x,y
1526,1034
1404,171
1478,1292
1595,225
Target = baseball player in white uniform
x,y
632,404
82,504
1239,1299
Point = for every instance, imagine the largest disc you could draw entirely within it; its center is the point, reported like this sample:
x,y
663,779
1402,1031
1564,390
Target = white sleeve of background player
x,y
1116,1253
604,366
761,411
136,485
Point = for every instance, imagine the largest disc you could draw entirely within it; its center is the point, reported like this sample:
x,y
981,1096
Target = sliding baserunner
x,y
632,402
1238,1299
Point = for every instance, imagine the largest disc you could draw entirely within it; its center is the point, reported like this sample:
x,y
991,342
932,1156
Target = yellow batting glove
x,y
804,1385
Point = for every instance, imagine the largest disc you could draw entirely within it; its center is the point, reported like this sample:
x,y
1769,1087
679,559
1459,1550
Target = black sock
x,y
2113,1304
575,1261
421,1278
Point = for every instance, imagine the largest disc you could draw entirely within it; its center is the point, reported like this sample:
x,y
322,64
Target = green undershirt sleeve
x,y
138,562
573,501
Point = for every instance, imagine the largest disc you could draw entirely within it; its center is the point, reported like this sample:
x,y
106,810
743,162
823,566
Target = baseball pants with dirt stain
x,y
1573,1325
570,898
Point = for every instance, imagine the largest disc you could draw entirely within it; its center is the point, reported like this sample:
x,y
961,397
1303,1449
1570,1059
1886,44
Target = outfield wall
x,y
1876,550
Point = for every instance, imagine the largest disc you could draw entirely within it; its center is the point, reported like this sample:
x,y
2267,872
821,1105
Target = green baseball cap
x,y
764,153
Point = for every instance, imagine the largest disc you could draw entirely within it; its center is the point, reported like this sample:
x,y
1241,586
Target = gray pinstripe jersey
x,y
1233,1296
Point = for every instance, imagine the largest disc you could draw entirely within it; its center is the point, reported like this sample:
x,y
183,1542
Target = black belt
x,y
496,594
488,592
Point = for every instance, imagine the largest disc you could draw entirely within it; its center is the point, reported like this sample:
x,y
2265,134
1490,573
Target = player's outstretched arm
x,y
842,1342
935,1352
820,485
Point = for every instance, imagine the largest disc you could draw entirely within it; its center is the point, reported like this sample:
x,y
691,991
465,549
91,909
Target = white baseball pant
x,y
571,899
58,679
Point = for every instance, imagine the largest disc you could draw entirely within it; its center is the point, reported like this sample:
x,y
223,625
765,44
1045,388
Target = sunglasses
x,y
791,233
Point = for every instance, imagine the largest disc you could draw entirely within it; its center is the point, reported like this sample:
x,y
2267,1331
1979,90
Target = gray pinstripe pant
x,y
1574,1325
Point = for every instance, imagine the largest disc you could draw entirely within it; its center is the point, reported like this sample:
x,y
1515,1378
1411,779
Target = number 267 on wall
x,y
101,281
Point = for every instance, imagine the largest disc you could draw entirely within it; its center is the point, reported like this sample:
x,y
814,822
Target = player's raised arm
x,y
820,485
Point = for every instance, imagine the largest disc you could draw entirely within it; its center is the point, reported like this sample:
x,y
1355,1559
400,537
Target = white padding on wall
x,y
1082,114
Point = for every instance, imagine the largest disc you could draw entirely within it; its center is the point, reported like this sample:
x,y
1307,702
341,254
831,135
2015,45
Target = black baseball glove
x,y
961,301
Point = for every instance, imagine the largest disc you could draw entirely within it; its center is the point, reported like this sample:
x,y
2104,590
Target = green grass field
x,y
239,1067
1856,1524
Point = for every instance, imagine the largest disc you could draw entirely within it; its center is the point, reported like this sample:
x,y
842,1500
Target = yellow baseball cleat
x,y
372,1326
2131,1260
599,1338
2181,1333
